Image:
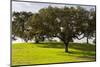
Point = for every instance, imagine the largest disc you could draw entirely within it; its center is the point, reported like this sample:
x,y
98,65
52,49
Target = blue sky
x,y
34,7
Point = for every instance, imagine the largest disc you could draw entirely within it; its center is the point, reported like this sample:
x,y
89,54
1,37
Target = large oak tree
x,y
65,23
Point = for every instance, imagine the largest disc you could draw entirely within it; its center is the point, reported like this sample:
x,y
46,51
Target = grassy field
x,y
45,53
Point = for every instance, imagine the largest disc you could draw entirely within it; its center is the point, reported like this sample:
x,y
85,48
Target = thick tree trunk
x,y
36,38
36,41
66,46
65,41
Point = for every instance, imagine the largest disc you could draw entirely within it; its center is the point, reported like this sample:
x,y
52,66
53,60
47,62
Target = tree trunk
x,y
87,40
36,38
26,40
65,41
66,46
36,41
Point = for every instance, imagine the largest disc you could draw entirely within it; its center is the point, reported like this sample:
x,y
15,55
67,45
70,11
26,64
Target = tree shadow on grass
x,y
51,45
92,58
83,53
78,46
82,47
79,55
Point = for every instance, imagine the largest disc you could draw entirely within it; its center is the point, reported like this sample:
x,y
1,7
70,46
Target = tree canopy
x,y
65,23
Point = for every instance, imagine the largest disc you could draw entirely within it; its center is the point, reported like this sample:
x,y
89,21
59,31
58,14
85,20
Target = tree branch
x,y
79,38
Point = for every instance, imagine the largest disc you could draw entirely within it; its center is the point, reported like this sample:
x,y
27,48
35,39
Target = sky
x,y
35,7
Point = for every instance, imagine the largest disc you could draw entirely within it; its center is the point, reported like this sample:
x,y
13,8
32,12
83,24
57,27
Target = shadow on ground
x,y
83,47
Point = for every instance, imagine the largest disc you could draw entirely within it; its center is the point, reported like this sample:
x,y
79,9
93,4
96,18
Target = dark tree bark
x,y
26,40
66,46
36,41
87,40
13,37
65,41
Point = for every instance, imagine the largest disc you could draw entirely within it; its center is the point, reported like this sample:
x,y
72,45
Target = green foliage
x,y
19,24
74,22
65,23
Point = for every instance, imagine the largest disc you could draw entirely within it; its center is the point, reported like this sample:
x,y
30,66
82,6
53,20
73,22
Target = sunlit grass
x,y
44,53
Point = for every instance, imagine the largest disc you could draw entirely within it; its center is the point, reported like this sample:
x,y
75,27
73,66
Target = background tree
x,y
88,24
18,24
35,24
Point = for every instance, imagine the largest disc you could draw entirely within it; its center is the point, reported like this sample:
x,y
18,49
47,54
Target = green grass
x,y
45,53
